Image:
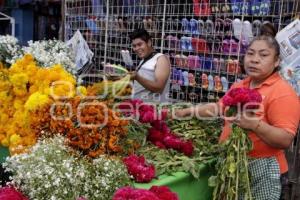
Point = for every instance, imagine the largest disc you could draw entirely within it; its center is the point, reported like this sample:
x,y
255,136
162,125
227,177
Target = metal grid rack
x,y
203,38
8,24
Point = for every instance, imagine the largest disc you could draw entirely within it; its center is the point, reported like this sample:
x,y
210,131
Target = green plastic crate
x,y
185,185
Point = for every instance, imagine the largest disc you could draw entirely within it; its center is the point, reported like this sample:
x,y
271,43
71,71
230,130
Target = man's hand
x,y
133,75
182,113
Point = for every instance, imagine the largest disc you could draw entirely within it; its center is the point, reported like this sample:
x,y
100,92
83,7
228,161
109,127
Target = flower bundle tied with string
x,y
232,179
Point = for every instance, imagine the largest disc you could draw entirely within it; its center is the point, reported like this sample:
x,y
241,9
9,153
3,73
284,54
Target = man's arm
x,y
162,73
200,110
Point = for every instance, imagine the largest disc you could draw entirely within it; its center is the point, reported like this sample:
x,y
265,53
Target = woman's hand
x,y
245,120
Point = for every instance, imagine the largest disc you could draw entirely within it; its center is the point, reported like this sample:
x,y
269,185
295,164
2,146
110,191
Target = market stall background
x,y
106,25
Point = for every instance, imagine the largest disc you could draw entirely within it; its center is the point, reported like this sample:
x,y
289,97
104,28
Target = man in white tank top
x,y
152,76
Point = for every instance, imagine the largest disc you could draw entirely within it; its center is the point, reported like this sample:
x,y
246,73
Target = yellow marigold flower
x,y
2,136
31,70
36,100
4,118
20,92
29,140
3,96
41,74
53,76
63,74
81,90
5,142
19,65
19,79
20,119
4,85
62,89
14,139
33,89
18,104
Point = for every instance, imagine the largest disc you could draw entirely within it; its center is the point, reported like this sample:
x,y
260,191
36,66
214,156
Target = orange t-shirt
x,y
281,108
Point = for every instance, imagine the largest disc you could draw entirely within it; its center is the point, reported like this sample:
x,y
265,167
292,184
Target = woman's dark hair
x,y
141,34
268,29
268,33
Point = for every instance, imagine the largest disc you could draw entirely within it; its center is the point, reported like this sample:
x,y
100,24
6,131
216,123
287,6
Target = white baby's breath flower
x,y
9,49
51,52
50,171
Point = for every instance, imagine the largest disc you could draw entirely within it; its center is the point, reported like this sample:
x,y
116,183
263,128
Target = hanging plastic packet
x,y
127,58
81,50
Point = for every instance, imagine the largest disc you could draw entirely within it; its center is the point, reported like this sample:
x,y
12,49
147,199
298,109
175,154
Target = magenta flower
x,y
139,169
155,193
10,193
128,193
164,193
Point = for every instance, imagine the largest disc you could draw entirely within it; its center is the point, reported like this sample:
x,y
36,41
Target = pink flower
x,y
187,148
136,102
81,198
164,114
255,100
128,193
155,193
228,100
164,128
241,99
159,145
172,142
160,126
145,108
157,124
123,193
164,193
155,135
10,193
137,167
241,96
147,117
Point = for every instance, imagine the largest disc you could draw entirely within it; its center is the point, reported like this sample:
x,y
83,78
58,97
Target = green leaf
x,y
212,181
232,168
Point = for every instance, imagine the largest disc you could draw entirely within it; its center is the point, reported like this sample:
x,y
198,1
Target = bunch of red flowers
x,y
243,98
159,134
10,193
145,113
154,193
139,169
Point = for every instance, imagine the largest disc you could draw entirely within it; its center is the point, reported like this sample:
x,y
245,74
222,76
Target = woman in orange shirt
x,y
272,129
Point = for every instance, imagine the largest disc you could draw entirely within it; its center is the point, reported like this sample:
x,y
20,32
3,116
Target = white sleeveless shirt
x,y
147,71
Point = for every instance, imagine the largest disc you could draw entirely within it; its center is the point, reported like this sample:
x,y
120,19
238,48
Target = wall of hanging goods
x,y
205,39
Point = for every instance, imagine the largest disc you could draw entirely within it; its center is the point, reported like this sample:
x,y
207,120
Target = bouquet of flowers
x,y
51,170
232,180
239,99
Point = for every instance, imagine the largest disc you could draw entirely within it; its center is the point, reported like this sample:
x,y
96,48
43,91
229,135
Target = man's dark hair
x,y
140,33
